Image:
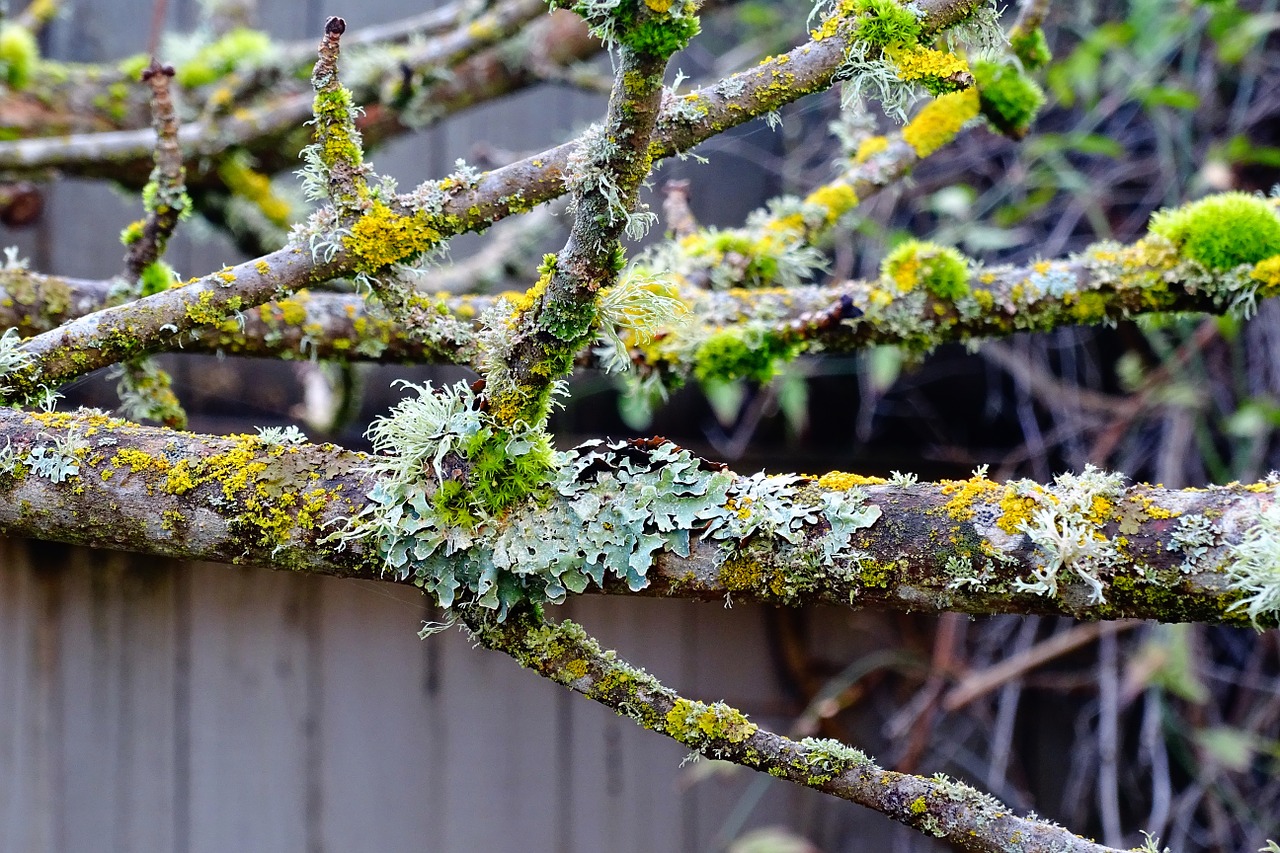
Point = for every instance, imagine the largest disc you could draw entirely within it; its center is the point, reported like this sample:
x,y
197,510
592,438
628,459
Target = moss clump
x,y
662,36
1222,231
18,55
738,353
1009,98
156,277
504,470
236,49
942,271
885,23
1030,47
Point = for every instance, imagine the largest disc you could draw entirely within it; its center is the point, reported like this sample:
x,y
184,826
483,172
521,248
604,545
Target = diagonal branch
x,y
456,206
936,806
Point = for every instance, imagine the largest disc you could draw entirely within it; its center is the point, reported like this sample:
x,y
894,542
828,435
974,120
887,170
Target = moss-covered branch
x,y
937,806
648,518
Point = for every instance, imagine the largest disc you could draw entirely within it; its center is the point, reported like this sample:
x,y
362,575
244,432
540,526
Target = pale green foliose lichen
x,y
599,512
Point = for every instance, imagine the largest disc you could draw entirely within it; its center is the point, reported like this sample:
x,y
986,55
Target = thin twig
x,y
980,683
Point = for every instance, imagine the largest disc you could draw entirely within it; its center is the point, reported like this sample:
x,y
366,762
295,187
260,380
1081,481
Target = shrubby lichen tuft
x,y
1253,564
1066,525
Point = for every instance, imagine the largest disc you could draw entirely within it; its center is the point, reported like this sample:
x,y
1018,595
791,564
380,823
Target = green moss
x,y
741,353
942,271
1222,231
18,55
662,36
1030,47
157,277
214,61
1007,97
885,23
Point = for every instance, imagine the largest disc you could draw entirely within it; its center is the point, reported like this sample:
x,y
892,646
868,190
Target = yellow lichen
x,y
918,63
842,480
940,121
383,237
870,147
835,199
1014,510
965,492
1267,272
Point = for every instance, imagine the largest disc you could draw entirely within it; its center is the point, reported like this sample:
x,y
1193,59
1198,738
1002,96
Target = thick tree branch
x,y
973,546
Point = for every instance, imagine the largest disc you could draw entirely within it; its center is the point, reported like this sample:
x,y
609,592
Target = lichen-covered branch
x,y
649,518
159,321
914,304
166,193
943,808
559,315
145,389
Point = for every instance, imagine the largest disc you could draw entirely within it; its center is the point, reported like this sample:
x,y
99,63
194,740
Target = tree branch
x,y
1105,283
973,546
937,806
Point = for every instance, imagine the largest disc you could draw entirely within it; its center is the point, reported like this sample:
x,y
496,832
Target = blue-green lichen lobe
x,y
604,514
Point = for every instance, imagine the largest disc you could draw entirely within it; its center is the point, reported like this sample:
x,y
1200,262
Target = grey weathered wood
x,y
153,705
